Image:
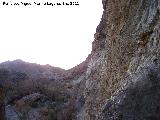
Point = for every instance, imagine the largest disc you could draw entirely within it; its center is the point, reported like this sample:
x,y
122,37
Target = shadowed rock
x,y
2,113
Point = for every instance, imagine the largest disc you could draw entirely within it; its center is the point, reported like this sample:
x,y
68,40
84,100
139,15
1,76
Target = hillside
x,y
29,85
32,69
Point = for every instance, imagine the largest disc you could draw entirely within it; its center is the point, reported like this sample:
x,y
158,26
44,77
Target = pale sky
x,y
57,35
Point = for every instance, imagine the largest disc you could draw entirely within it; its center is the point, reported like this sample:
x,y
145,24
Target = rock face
x,y
139,100
122,78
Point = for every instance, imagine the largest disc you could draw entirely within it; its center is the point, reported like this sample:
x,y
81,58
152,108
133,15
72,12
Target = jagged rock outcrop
x,y
123,72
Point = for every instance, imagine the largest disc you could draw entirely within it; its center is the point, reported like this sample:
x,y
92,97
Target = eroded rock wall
x,y
126,43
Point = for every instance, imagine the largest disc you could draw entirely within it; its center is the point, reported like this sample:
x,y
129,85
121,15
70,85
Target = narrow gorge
x,y
120,79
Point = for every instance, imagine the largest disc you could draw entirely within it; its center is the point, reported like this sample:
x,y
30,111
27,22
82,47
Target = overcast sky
x,y
57,35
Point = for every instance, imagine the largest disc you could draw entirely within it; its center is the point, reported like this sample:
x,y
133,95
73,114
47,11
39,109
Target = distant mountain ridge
x,y
33,69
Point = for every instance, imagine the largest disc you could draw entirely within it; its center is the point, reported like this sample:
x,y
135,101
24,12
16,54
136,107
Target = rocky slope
x,y
120,78
31,91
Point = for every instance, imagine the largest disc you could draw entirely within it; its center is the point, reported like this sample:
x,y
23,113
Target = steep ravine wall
x,y
126,43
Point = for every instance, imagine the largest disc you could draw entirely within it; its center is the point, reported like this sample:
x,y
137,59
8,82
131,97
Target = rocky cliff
x,y
120,80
